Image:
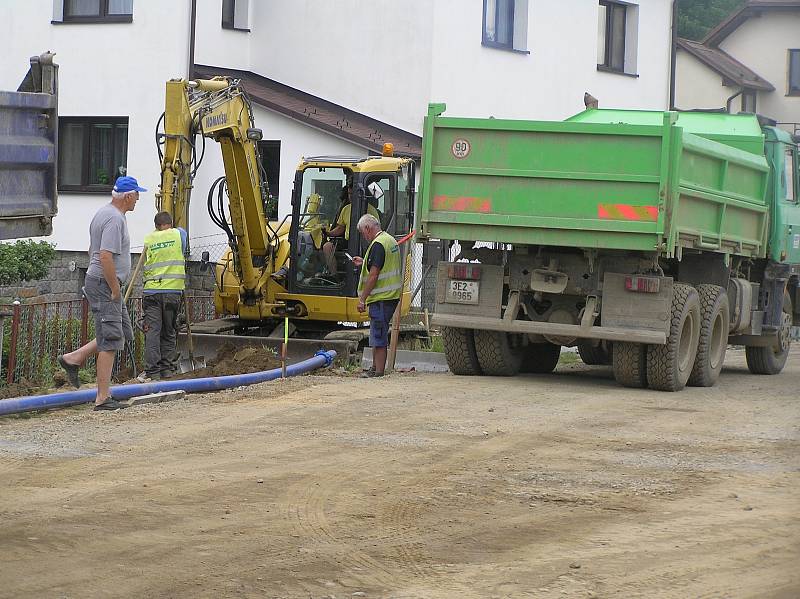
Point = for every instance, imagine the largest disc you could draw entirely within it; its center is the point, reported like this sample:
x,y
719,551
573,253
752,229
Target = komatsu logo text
x,y
215,120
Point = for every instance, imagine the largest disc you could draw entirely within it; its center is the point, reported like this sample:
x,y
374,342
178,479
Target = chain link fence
x,y
36,334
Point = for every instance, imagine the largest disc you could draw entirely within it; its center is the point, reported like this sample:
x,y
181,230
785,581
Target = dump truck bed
x,y
597,181
28,153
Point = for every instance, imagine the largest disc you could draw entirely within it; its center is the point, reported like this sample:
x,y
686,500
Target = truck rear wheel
x,y
459,350
669,365
714,324
496,355
771,360
540,358
629,361
594,355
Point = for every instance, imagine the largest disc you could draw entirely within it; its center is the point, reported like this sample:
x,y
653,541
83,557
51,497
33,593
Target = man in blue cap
x,y
109,268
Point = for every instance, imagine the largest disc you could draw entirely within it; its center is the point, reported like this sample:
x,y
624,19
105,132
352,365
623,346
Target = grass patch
x,y
437,345
569,357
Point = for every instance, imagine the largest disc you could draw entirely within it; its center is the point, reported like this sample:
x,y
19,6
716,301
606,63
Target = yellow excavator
x,y
291,268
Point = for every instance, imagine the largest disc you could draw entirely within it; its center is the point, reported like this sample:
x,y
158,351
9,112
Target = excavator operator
x,y
341,228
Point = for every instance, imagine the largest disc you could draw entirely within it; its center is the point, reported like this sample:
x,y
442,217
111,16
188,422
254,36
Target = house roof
x,y
726,65
752,8
317,112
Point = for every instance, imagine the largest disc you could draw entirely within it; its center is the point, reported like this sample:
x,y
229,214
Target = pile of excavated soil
x,y
19,390
231,360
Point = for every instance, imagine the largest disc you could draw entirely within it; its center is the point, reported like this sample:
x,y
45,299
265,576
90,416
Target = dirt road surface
x,y
417,485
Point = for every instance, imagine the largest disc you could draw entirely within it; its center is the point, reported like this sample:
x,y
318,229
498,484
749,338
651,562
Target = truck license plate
x,y
462,292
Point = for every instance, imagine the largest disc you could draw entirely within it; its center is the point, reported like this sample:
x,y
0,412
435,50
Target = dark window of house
x,y
92,152
498,23
794,72
98,10
611,36
271,159
749,101
228,13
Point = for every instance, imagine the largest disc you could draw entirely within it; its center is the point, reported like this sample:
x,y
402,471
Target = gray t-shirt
x,y
109,231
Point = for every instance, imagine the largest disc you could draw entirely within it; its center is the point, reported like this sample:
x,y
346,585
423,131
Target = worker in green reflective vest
x,y
164,282
379,287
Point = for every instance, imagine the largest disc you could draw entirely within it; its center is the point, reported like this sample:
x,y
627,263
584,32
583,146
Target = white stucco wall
x,y
762,44
698,86
548,83
372,57
217,46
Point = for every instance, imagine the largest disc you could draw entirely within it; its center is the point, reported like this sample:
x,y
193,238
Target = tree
x,y
697,17
25,261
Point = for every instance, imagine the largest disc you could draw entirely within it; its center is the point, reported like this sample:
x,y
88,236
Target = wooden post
x,y
392,353
12,349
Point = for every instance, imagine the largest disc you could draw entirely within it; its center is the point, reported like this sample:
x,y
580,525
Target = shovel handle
x,y
134,274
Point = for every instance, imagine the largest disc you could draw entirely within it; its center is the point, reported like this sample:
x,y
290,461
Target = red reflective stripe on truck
x,y
462,204
627,212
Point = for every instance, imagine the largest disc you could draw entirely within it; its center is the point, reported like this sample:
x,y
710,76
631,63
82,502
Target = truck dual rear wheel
x,y
496,354
629,361
714,325
459,351
771,360
540,358
595,355
669,366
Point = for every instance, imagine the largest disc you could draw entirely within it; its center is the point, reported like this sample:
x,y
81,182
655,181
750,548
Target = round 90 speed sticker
x,y
460,148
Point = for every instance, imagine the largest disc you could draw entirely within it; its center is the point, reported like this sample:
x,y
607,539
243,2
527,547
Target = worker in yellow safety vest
x,y
164,283
379,287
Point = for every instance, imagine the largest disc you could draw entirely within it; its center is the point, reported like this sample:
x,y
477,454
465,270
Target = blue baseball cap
x,y
124,184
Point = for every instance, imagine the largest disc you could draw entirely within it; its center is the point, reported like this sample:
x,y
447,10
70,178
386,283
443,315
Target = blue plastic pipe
x,y
72,398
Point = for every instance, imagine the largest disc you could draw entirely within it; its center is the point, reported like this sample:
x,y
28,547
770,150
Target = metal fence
x,y
37,334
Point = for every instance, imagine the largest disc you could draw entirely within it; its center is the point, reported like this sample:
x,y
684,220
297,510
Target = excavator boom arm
x,y
220,110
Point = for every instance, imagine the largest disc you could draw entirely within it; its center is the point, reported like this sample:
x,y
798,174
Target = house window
x,y
235,14
94,11
505,24
794,73
92,152
749,101
271,159
498,23
611,30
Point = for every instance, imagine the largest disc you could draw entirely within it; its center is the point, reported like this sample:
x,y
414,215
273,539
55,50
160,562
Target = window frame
x,y
609,33
102,17
792,91
752,94
485,41
230,25
87,122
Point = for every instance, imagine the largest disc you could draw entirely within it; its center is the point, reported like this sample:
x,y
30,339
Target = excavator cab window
x,y
325,207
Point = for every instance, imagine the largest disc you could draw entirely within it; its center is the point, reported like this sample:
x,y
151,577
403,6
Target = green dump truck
x,y
651,240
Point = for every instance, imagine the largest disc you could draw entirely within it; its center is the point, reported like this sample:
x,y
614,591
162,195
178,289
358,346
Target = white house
x,y
312,65
749,62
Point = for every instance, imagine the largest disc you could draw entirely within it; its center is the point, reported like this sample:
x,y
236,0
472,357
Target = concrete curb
x,y
421,361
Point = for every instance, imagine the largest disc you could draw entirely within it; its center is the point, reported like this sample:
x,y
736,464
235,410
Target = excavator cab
x,y
330,196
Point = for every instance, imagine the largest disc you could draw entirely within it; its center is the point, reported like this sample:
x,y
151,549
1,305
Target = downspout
x,y
731,99
673,55
192,27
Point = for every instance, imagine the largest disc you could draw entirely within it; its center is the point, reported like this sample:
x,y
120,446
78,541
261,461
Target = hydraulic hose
x,y
71,398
